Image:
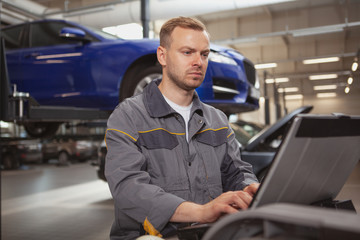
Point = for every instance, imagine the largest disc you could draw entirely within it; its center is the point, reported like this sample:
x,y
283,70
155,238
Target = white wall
x,y
289,51
347,104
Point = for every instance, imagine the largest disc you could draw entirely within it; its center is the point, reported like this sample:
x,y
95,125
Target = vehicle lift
x,y
20,107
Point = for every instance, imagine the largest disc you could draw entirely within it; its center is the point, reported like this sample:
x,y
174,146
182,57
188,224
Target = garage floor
x,y
45,202
58,203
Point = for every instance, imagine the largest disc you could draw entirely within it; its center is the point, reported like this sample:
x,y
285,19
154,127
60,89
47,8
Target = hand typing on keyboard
x,y
226,203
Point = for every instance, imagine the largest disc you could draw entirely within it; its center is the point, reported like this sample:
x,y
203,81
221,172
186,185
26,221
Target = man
x,y
171,158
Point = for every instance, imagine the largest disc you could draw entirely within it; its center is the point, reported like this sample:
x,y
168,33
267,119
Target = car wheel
x,y
138,81
41,129
63,158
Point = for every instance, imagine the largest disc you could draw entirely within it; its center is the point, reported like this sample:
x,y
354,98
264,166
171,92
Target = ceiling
x,y
284,33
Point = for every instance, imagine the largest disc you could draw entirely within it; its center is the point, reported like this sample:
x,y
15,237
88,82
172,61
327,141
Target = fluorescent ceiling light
x,y
350,80
326,95
277,80
323,76
325,87
287,90
265,65
294,97
354,66
321,60
347,90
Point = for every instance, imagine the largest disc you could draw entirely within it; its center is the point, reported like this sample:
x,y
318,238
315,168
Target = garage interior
x,y
311,46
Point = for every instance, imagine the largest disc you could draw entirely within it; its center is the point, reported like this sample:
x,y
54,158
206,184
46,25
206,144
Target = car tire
x,y
138,80
41,129
63,158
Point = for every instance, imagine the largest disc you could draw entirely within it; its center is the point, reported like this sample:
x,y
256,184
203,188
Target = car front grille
x,y
250,71
224,88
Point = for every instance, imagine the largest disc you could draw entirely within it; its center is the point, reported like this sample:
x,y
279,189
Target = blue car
x,y
61,63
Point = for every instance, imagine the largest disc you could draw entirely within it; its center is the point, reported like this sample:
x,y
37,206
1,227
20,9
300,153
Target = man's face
x,y
186,59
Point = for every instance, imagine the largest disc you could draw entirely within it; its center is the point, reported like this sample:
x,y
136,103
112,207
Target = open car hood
x,y
262,140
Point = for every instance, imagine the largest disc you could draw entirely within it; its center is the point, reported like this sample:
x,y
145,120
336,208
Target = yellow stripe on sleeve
x,y
232,132
134,139
211,129
155,129
113,129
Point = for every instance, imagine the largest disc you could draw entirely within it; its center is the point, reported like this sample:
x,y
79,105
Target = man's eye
x,y
187,52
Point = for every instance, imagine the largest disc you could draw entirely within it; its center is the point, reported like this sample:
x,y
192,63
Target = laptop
x,y
314,161
312,164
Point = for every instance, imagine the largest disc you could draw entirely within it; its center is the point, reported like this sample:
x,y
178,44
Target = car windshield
x,y
103,34
240,134
251,128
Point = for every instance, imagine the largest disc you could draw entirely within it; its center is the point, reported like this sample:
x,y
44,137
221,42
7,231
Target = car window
x,y
251,129
47,34
103,34
240,134
12,36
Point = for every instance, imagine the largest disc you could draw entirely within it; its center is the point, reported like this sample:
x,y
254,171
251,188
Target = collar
x,y
157,106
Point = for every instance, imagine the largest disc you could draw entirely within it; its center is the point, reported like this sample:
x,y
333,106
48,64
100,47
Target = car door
x,y
52,68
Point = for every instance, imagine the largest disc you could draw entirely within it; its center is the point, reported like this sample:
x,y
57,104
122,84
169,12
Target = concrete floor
x,y
49,202
57,203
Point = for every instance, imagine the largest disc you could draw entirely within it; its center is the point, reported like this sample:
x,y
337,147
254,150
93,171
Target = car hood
x,y
274,131
152,44
155,43
226,51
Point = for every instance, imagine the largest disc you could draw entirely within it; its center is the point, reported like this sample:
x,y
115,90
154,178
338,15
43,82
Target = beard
x,y
186,81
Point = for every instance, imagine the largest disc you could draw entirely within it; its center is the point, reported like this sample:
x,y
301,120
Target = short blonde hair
x,y
184,22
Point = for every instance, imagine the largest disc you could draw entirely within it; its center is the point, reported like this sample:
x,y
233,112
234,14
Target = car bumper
x,y
83,155
227,87
31,157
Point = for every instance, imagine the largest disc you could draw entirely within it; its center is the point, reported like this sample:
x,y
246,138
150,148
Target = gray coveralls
x,y
151,168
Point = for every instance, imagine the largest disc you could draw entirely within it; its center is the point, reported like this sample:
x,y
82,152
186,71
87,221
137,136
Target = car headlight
x,y
219,58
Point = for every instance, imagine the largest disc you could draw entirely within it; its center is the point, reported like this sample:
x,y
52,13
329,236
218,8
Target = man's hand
x,y
226,203
252,188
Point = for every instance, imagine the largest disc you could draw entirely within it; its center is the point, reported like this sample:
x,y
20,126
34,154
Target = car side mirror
x,y
74,34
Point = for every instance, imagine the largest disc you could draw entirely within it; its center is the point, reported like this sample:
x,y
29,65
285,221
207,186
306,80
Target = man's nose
x,y
197,61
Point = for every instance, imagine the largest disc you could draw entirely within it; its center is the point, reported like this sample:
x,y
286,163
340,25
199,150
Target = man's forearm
x,y
229,202
187,212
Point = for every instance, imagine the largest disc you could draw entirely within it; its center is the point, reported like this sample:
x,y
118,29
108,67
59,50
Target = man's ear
x,y
161,55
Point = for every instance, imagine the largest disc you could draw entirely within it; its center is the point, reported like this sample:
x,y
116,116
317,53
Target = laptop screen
x,y
313,162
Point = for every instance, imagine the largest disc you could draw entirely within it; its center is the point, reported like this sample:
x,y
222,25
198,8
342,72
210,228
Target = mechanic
x,y
171,158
